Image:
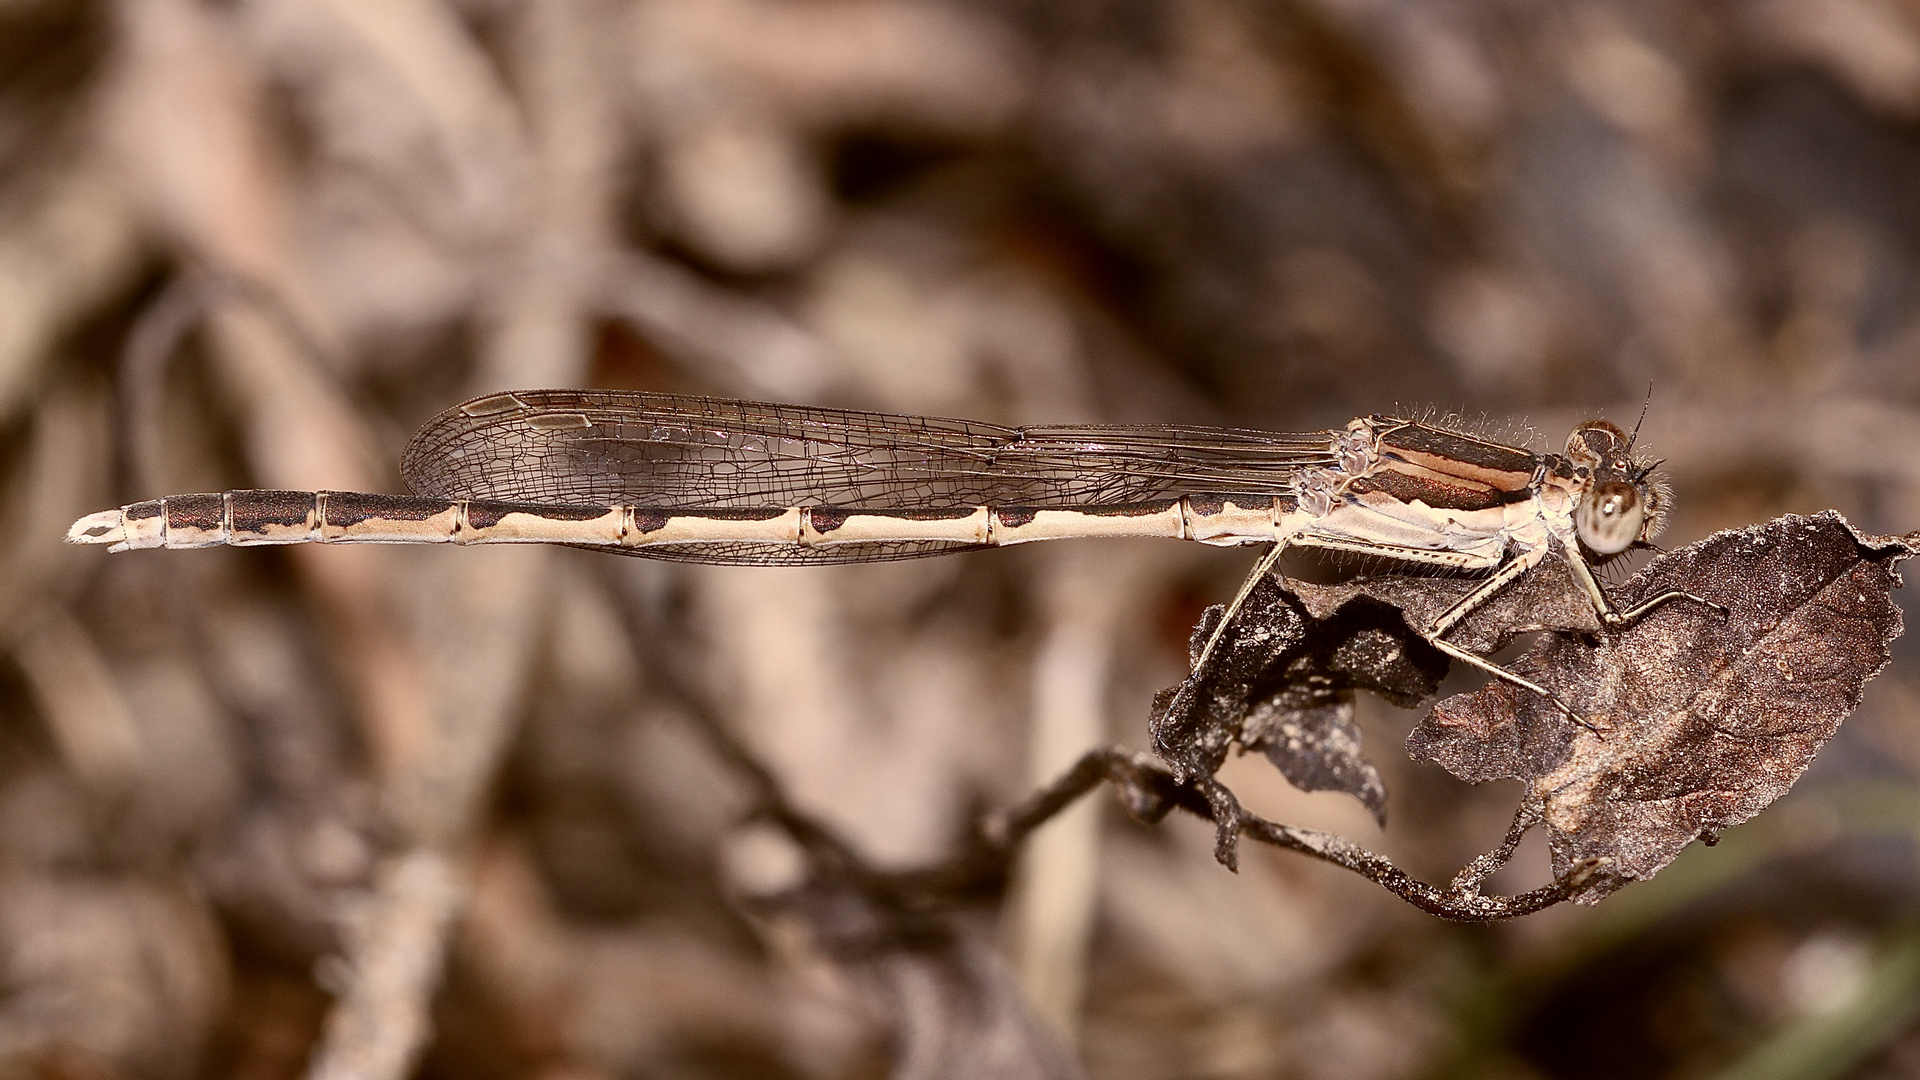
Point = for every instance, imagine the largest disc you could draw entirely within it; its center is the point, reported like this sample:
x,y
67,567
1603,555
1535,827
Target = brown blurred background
x,y
385,812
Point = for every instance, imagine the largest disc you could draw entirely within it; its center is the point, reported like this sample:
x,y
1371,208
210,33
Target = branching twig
x,y
1525,816
1147,791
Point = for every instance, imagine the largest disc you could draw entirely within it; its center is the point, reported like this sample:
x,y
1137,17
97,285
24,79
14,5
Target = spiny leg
x,y
1433,634
1603,607
1517,566
1622,618
1509,571
1504,675
1260,570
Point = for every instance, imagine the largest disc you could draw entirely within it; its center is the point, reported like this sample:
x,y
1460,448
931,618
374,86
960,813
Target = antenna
x,y
1642,420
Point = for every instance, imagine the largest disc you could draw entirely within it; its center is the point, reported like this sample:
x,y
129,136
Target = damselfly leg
x,y
1517,565
1432,634
1615,619
1261,569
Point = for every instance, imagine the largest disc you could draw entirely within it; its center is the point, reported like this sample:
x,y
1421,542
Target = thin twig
x,y
1149,792
1470,877
1146,790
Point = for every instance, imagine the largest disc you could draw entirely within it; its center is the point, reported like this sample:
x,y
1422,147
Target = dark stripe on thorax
x,y
1448,470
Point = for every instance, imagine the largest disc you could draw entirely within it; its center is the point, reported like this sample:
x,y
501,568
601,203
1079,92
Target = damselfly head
x,y
1624,504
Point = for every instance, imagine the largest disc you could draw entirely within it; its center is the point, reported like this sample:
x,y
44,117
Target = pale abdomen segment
x,y
731,535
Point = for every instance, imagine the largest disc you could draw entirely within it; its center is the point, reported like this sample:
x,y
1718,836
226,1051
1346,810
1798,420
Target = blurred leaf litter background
x,y
377,812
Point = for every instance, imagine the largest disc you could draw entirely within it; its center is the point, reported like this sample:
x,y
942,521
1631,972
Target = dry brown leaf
x,y
1699,720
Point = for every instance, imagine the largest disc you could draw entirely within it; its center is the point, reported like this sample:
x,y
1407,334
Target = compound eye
x,y
1609,518
1596,442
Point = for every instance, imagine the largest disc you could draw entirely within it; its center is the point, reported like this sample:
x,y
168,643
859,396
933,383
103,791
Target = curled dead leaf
x,y
1282,684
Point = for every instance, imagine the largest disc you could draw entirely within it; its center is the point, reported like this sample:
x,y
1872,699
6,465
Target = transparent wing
x,y
604,447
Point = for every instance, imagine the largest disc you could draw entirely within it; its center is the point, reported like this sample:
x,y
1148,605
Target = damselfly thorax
x,y
712,480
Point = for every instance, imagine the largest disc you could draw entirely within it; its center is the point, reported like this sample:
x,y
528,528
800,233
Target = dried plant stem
x,y
1150,792
1468,880
395,955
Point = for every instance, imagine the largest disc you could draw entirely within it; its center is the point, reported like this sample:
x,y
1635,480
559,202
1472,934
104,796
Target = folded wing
x,y
604,447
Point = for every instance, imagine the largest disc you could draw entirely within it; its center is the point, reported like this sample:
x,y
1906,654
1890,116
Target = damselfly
x,y
711,480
